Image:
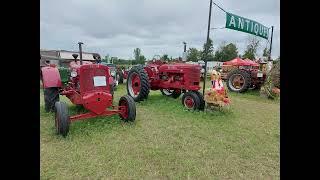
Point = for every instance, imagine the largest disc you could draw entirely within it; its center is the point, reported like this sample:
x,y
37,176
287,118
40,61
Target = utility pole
x,y
205,60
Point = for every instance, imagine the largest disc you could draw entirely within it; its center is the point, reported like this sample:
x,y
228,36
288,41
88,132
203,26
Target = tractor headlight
x,y
113,73
74,74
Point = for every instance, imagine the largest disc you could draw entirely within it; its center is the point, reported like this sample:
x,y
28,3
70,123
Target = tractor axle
x,y
116,110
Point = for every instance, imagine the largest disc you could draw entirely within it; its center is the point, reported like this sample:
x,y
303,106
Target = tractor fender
x,y
50,77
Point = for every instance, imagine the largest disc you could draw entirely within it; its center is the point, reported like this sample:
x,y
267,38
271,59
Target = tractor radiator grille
x,y
86,78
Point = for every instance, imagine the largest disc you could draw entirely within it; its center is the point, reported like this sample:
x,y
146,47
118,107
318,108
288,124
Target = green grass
x,y
167,142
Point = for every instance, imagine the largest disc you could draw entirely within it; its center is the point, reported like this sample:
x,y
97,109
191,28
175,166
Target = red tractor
x,y
171,79
86,84
241,75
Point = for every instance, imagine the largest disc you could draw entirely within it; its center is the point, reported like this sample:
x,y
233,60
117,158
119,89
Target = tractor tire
x,y
245,76
51,96
130,114
120,79
191,101
138,86
202,102
172,93
62,120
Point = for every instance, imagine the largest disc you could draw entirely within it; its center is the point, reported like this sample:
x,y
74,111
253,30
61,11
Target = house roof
x,y
64,54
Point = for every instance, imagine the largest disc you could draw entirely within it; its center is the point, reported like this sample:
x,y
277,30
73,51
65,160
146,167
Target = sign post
x,y
270,44
205,60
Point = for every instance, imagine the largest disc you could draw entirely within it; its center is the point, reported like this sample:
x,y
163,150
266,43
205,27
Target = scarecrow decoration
x,y
216,95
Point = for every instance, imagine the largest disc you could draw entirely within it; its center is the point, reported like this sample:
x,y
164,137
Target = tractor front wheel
x,y
129,111
51,96
138,86
172,93
62,120
191,101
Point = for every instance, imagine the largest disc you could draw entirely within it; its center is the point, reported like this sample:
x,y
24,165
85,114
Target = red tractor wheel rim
x,y
124,113
189,102
237,81
135,84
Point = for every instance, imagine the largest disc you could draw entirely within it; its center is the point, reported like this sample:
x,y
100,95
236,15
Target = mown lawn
x,y
167,142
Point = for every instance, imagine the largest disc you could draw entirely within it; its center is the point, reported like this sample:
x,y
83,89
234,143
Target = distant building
x,y
65,56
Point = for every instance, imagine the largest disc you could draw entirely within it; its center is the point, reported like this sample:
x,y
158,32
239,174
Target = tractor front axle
x,y
107,112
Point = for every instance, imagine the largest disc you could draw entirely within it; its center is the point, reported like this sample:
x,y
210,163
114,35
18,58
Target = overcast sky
x,y
116,27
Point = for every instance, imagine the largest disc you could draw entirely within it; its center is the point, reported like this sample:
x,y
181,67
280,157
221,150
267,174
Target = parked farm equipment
x,y
86,84
241,75
171,79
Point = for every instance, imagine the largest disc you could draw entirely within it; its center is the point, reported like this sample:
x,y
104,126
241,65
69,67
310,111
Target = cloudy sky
x,y
116,27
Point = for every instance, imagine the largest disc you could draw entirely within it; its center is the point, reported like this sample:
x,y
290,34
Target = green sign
x,y
246,25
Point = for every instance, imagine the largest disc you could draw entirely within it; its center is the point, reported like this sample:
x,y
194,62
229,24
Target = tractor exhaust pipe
x,y
80,51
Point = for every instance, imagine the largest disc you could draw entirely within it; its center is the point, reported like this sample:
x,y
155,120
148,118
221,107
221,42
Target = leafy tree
x,y
106,58
207,53
138,57
226,52
266,52
137,53
193,55
165,57
252,47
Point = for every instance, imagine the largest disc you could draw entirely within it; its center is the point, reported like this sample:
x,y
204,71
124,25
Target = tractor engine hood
x,y
179,67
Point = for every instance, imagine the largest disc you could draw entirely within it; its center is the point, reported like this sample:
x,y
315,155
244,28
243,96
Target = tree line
x,y
225,52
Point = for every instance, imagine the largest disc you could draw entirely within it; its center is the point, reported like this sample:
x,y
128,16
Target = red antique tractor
x,y
87,84
241,75
171,79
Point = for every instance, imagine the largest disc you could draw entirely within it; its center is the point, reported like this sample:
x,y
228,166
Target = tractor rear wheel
x,y
238,81
191,100
130,108
138,86
62,120
175,93
202,102
51,96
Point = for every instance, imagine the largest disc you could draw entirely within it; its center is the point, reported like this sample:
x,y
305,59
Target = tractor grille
x,y
87,72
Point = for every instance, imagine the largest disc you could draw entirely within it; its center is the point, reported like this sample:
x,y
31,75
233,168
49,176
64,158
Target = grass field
x,y
167,142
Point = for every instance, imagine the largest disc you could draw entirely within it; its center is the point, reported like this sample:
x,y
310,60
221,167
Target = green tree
x,y
266,52
106,58
207,53
137,53
252,48
138,57
165,57
226,52
193,55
